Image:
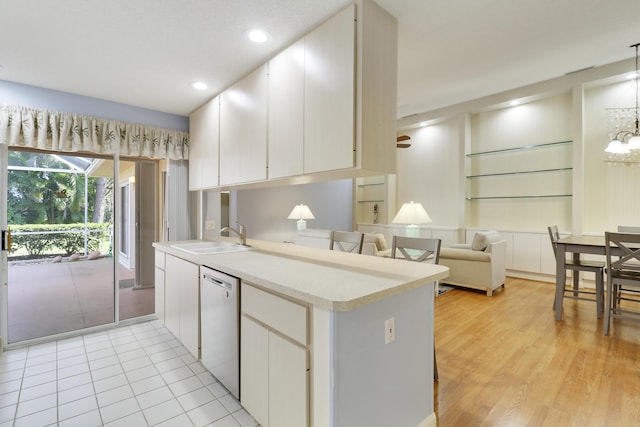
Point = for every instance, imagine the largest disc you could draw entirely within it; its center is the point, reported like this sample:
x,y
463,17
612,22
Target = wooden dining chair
x,y
628,229
576,266
623,277
418,249
347,241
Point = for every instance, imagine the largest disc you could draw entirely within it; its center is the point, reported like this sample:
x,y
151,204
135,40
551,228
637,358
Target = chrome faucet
x,y
242,233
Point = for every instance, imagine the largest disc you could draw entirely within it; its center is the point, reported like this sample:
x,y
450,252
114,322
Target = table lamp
x,y
412,214
301,213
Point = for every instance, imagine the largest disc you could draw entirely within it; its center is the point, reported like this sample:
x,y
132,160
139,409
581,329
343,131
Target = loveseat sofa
x,y
479,265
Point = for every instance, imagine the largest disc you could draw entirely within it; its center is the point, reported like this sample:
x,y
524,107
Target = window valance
x,y
55,131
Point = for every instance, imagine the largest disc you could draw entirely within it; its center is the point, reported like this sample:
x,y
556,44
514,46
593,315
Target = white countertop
x,y
331,280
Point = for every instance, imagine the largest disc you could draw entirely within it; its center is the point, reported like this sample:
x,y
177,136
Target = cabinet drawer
x,y
285,316
159,259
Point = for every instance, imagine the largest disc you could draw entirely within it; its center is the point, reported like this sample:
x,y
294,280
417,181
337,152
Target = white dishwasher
x,y
219,326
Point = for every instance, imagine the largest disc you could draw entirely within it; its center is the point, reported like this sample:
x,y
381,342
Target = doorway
x,y
60,265
138,228
75,233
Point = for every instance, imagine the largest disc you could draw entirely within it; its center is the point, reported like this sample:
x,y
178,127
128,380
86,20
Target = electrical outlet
x,y
210,225
389,330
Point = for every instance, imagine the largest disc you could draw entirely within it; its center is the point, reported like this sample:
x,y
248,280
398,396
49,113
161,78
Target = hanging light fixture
x,y
618,150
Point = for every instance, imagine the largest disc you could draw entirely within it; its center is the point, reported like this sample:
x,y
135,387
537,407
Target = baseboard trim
x,y
430,421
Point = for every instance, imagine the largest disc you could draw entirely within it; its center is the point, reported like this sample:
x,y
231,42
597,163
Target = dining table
x,y
576,245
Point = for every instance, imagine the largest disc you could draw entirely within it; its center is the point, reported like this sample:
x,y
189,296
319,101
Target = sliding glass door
x,y
60,266
81,253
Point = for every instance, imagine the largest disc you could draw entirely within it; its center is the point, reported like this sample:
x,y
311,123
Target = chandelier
x,y
624,147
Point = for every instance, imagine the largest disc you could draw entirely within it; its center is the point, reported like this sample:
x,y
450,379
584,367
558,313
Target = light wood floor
x,y
505,361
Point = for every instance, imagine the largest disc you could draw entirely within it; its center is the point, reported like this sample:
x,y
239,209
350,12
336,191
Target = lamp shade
x,y
411,213
301,212
617,147
634,142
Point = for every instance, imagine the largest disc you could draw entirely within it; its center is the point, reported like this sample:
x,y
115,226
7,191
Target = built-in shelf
x,y
526,147
520,172
552,169
519,197
372,202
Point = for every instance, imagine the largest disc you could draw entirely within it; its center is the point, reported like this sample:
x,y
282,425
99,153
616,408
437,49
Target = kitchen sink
x,y
210,248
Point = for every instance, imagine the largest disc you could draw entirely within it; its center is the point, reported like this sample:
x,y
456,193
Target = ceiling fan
x,y
400,143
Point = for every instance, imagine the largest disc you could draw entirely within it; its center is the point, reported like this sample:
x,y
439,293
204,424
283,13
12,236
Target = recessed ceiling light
x,y
199,85
258,36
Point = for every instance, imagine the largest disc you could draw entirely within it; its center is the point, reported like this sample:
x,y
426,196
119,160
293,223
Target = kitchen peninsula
x,y
327,315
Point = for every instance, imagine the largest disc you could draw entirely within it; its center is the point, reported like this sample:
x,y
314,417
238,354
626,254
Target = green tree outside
x,y
40,193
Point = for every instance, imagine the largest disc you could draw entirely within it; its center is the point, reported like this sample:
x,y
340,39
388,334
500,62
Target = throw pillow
x,y
381,242
482,240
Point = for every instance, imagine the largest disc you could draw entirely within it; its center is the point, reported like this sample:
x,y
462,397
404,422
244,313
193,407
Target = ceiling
x,y
147,53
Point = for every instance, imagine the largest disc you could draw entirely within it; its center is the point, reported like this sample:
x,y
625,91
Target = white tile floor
x,y
138,375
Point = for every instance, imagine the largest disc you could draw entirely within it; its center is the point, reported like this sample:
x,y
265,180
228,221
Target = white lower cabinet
x,y
274,367
182,302
159,285
159,293
288,382
254,369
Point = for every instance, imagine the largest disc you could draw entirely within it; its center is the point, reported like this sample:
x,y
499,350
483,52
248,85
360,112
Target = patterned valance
x,y
55,131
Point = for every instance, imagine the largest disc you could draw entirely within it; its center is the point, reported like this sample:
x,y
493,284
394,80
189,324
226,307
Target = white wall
x,y
429,171
612,193
214,208
572,107
264,211
540,122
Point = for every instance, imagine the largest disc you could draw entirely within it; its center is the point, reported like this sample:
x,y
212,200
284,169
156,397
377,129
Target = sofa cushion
x,y
482,239
381,242
464,254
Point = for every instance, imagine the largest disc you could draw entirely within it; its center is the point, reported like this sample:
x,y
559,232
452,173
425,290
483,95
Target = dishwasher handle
x,y
215,281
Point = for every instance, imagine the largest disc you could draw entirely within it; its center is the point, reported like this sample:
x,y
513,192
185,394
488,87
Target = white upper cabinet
x,y
212,144
286,112
329,111
204,125
243,130
324,108
196,147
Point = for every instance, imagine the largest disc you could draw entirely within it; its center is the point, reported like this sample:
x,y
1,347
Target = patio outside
x,y
51,298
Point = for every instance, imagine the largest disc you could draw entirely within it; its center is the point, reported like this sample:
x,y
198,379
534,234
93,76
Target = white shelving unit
x,y
375,199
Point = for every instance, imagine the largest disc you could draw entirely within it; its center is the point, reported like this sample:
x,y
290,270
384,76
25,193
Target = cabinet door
x,y
196,148
526,252
190,307
329,113
243,130
547,256
254,370
173,280
159,293
288,383
286,107
211,129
